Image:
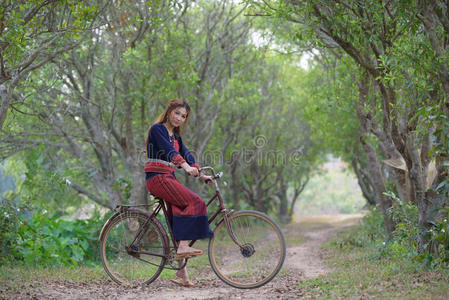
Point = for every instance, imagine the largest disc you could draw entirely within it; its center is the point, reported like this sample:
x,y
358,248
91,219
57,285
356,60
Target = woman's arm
x,y
159,136
190,160
185,153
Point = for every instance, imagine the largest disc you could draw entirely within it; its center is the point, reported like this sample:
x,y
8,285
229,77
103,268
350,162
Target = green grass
x,y
361,273
29,273
14,278
18,277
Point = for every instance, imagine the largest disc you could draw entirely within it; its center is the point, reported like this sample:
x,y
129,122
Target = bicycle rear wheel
x,y
260,258
133,268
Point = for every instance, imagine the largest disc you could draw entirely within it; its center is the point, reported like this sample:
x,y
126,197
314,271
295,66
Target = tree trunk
x,y
283,214
298,190
235,187
365,183
428,201
4,104
373,162
440,44
260,204
379,187
138,190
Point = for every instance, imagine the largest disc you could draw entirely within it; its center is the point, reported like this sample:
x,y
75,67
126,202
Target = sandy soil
x,y
303,261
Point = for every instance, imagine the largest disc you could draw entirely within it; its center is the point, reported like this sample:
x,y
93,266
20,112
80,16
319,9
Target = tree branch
x,y
85,192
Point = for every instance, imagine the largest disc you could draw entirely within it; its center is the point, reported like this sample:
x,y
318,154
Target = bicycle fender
x,y
117,214
106,224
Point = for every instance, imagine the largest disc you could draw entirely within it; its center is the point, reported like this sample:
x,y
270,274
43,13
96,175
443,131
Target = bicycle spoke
x,y
116,249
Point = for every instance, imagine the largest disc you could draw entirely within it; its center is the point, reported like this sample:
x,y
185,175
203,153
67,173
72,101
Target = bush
x,y
403,242
405,216
10,220
439,240
47,239
370,231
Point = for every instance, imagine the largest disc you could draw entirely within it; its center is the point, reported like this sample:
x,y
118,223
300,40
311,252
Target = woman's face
x,y
177,117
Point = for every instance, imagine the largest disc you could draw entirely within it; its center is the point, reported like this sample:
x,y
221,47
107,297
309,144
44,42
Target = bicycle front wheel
x,y
260,256
133,267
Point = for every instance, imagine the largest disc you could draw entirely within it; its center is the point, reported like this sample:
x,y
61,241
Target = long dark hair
x,y
163,117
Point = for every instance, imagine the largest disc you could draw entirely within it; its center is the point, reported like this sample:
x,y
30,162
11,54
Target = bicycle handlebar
x,y
205,168
214,175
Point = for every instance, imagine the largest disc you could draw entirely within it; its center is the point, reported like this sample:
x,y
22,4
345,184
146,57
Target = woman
x,y
187,211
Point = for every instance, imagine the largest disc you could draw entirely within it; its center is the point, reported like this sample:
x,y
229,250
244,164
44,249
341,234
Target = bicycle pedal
x,y
185,256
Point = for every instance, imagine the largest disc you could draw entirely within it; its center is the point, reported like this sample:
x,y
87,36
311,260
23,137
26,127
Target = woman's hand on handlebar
x,y
190,170
207,179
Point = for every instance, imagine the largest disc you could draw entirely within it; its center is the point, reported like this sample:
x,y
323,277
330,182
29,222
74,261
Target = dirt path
x,y
303,261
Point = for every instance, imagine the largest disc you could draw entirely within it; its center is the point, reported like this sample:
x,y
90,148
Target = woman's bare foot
x,y
185,250
182,283
183,276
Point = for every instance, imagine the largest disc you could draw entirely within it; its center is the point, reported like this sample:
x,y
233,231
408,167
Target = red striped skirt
x,y
187,211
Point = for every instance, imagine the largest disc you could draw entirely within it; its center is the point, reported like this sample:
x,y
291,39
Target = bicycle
x,y
247,250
